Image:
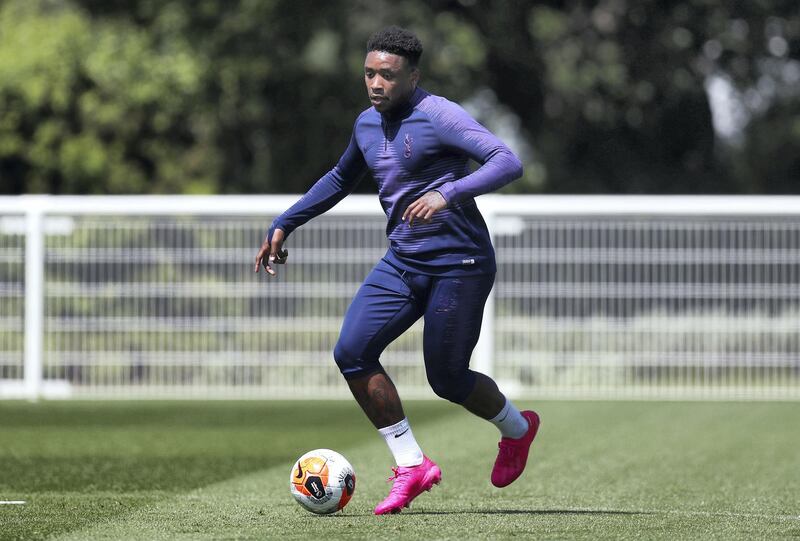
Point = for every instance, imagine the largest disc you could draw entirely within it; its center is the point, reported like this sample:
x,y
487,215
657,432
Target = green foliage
x,y
247,96
98,105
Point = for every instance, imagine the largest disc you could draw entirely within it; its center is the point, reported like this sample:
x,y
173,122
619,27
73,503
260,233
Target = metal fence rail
x,y
596,297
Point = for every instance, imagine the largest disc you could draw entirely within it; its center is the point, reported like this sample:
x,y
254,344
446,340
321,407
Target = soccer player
x,y
440,263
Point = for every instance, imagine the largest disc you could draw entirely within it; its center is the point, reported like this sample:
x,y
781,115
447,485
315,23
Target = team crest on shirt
x,y
407,142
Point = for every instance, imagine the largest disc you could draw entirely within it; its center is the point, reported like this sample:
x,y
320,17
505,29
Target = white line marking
x,y
12,502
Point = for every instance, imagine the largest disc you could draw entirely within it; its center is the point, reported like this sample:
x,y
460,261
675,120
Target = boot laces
x,y
400,477
507,451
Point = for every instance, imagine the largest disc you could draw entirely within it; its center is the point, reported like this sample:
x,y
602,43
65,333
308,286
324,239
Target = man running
x,y
440,264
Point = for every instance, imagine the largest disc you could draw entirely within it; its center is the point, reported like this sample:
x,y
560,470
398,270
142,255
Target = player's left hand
x,y
424,208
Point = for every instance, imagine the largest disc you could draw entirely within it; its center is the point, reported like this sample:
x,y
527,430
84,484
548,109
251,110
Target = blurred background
x,y
612,297
259,96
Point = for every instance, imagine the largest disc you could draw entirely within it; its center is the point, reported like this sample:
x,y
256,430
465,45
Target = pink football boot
x,y
513,453
408,484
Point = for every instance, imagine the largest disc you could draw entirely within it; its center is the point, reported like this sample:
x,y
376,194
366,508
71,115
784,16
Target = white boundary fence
x,y
596,297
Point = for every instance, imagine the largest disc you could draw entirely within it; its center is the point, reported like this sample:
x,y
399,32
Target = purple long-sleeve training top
x,y
422,147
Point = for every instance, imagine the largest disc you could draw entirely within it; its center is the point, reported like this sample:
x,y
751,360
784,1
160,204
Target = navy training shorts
x,y
391,299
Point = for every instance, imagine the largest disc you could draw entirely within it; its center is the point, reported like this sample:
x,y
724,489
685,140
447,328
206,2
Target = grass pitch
x,y
185,470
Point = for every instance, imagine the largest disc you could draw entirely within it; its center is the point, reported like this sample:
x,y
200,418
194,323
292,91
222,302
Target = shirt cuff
x,y
448,191
276,225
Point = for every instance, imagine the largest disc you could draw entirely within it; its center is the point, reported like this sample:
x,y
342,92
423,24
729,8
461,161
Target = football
x,y
322,481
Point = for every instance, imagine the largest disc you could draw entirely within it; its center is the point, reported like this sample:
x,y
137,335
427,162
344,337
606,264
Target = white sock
x,y
510,421
402,444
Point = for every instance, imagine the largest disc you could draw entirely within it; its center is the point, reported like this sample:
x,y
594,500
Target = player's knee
x,y
345,356
351,361
453,387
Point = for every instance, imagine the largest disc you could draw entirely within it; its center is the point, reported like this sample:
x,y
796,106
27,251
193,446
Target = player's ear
x,y
414,76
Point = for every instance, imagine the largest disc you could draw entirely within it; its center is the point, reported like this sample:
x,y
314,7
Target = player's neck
x,y
403,109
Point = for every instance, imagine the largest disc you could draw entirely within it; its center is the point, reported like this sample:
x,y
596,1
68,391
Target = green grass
x,y
191,470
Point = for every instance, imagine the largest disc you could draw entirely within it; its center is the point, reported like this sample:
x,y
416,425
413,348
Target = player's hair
x,y
399,41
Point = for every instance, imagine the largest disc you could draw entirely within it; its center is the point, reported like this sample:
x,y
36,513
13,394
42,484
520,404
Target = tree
x,y
96,106
255,96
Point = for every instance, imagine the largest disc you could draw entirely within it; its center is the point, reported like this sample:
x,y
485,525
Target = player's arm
x,y
323,195
458,131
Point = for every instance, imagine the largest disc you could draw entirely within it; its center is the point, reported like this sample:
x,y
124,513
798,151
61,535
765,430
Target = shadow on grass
x,y
510,512
531,512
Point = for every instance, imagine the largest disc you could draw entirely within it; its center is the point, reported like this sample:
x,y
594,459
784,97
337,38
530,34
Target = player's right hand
x,y
272,252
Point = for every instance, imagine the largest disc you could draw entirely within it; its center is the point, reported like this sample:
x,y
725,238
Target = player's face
x,y
390,80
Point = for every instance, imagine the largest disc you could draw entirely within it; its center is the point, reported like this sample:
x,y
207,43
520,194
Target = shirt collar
x,y
405,110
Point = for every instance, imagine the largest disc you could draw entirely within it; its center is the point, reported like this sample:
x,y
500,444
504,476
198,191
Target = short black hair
x,y
396,40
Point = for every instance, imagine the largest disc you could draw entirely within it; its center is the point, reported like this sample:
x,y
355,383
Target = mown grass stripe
x,y
604,470
598,470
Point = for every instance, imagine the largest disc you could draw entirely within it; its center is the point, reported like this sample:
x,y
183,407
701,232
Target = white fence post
x,y
484,349
34,299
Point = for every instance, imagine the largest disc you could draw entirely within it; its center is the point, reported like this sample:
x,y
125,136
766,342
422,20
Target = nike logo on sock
x,y
401,433
504,418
